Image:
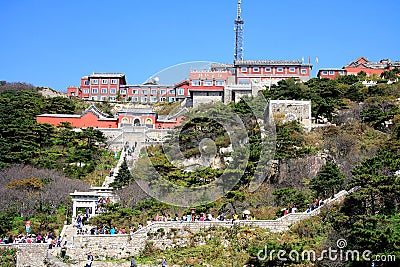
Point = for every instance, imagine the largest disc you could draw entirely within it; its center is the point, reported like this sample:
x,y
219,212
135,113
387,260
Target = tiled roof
x,y
101,115
147,86
204,89
221,65
325,69
106,75
270,62
136,110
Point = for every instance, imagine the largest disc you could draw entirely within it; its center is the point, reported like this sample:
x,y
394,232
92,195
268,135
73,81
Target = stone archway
x,y
136,122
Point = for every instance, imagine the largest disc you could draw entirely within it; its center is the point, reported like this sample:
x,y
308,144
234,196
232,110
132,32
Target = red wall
x,y
367,71
169,125
87,120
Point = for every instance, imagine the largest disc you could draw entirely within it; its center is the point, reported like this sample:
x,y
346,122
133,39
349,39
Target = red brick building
x,y
150,92
113,87
358,65
248,71
369,67
99,87
331,73
223,82
93,117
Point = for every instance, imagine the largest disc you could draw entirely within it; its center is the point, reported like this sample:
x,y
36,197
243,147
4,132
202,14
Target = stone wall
x,y
105,247
29,255
165,235
162,235
202,98
292,110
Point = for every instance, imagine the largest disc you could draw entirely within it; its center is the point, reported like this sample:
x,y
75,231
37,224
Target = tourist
x,y
112,231
308,209
163,262
294,209
64,242
58,242
89,260
285,212
133,262
79,222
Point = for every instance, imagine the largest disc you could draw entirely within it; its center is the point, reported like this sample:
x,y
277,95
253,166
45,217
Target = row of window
x,y
208,83
143,99
134,91
332,72
269,69
103,81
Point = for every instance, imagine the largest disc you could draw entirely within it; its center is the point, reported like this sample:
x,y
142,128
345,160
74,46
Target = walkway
x,y
279,225
122,246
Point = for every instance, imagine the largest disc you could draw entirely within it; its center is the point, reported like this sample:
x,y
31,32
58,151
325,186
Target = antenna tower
x,y
238,34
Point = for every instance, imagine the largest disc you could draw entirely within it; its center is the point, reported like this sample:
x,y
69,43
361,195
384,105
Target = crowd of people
x,y
32,238
104,230
316,204
292,209
192,217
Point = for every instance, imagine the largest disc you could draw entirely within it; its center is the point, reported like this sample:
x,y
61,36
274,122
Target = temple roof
x,y
92,109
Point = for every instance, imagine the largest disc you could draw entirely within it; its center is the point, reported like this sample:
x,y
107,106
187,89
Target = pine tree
x,y
328,180
123,177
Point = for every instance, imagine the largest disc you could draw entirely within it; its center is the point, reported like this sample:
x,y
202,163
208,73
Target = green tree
x,y
285,197
290,141
328,180
123,177
379,110
369,217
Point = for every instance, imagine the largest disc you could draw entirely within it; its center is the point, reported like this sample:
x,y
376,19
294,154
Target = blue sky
x,y
53,43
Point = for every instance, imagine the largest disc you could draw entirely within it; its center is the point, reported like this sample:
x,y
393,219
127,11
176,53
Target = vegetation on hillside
x,y
8,257
41,164
357,147
363,131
